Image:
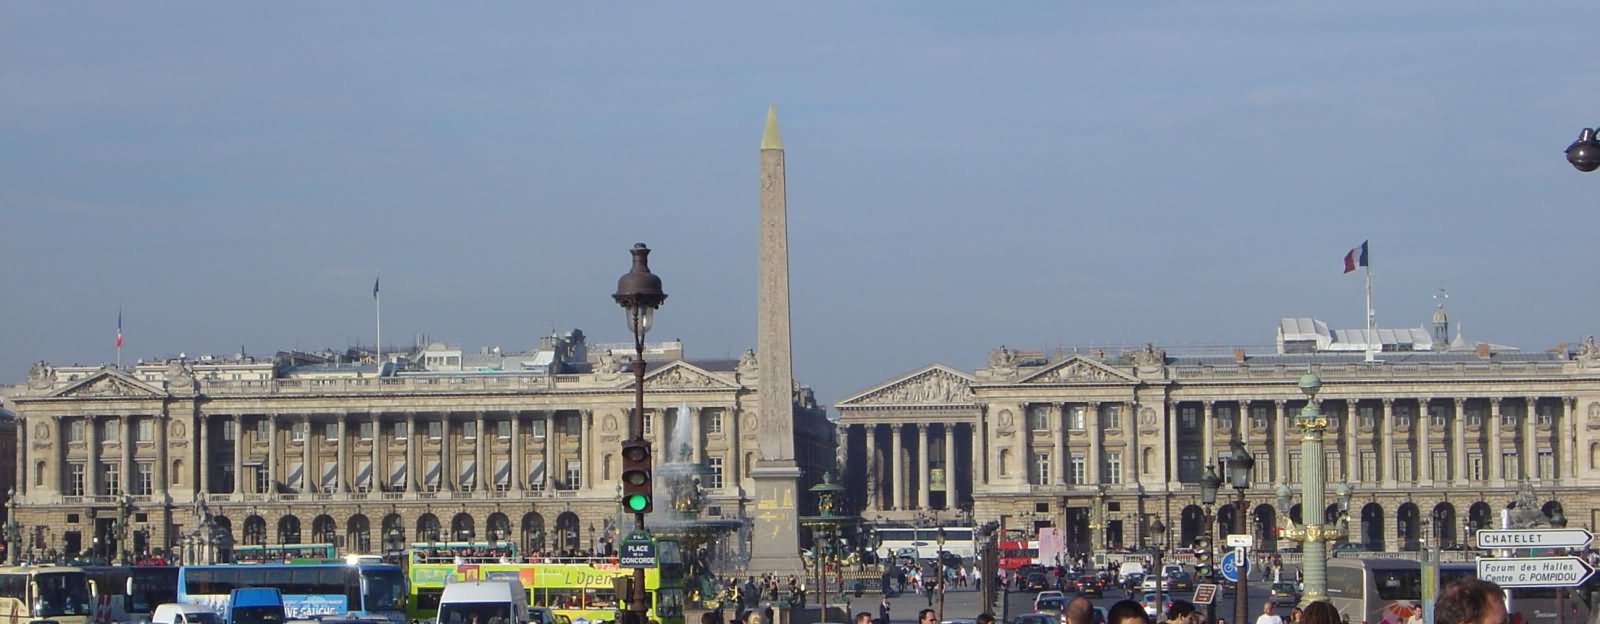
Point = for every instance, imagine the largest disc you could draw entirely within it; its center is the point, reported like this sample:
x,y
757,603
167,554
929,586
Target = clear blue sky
x,y
961,175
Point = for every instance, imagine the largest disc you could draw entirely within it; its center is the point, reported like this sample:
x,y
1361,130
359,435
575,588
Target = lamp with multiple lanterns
x,y
1313,533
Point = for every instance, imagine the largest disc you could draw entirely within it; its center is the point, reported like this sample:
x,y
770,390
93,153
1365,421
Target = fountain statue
x,y
682,479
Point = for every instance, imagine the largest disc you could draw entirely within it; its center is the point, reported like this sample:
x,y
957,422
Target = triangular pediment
x,y
682,374
110,384
936,384
1079,370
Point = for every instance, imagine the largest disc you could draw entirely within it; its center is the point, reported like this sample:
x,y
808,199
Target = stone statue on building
x,y
1588,350
1002,358
1149,356
41,376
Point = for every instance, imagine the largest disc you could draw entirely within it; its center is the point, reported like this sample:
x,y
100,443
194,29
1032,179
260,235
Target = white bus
x,y
1375,590
923,543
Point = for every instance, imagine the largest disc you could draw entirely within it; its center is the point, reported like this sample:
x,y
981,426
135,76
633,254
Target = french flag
x,y
1355,257
119,329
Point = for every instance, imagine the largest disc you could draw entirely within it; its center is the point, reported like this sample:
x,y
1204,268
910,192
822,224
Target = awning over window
x,y
364,475
536,475
432,480
469,473
296,478
502,474
330,476
397,475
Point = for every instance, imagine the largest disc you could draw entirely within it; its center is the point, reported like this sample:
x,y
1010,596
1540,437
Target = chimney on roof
x,y
1238,356
1483,350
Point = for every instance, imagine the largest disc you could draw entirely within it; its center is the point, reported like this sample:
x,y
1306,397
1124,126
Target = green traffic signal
x,y
636,503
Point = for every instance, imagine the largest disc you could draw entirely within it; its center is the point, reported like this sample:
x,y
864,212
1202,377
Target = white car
x,y
1149,583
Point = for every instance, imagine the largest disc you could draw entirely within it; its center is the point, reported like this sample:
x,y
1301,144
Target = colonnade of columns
x,y
901,478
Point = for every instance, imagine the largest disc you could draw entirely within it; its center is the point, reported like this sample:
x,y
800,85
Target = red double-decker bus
x,y
1015,553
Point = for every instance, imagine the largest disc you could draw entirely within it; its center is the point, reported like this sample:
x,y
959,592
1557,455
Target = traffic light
x,y
1203,557
636,489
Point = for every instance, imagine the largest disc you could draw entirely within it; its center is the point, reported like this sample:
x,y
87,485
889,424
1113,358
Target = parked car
x,y
1038,582
174,613
1181,581
1285,594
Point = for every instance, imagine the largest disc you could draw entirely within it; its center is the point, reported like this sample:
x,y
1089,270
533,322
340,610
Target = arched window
x,y
255,531
288,530
324,530
359,532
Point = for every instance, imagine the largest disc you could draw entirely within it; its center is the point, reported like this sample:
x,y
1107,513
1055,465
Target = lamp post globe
x,y
1584,153
639,293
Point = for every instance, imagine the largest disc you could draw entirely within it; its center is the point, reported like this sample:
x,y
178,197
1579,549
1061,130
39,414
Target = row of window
x,y
109,482
1039,418
1262,416
144,429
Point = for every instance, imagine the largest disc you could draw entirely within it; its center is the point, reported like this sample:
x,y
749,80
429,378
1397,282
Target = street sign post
x,y
1204,593
637,551
1240,540
1230,565
1490,539
1535,571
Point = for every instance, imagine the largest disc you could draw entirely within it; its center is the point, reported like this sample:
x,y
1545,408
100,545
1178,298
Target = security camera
x,y
1584,153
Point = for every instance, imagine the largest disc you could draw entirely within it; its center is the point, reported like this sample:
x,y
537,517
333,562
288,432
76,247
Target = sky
x,y
961,175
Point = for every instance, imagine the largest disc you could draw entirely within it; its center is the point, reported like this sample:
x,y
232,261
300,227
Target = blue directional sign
x,y
1230,566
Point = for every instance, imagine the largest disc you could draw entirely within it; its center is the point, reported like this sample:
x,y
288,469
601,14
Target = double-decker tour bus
x,y
309,590
582,589
129,593
923,542
1015,553
55,593
285,553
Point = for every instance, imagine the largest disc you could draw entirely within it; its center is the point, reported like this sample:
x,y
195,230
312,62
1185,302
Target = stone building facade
x,y
435,445
1035,440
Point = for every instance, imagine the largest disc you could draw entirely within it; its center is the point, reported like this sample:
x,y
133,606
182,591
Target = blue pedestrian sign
x,y
1230,566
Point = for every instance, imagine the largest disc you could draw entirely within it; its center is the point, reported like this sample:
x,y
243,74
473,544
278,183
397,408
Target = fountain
x,y
681,478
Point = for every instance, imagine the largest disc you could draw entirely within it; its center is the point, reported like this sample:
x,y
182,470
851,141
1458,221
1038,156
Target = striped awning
x,y
536,474
469,474
397,475
364,475
330,475
432,480
297,474
502,473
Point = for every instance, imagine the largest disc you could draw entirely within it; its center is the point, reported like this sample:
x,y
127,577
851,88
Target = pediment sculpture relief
x,y
935,387
680,377
1076,371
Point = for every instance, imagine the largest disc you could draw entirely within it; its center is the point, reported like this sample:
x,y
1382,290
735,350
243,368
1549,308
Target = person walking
x,y
883,610
1267,616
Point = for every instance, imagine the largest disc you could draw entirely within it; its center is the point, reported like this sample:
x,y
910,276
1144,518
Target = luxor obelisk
x,y
775,539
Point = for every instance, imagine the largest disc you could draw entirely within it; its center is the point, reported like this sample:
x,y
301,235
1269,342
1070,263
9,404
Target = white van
x,y
501,601
173,613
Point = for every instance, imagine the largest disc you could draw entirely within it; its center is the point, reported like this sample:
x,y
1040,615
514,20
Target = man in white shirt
x,y
1267,616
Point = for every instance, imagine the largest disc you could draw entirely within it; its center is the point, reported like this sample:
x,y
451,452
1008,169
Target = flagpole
x,y
1372,321
377,301
119,337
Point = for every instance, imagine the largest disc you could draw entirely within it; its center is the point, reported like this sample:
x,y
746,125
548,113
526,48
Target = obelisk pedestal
x,y
775,532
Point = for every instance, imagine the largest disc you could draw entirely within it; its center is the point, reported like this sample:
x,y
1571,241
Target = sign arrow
x,y
1535,571
1491,539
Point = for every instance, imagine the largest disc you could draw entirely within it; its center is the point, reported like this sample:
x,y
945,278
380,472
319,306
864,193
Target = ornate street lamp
x,y
1240,464
1209,484
1584,153
1160,531
639,293
13,531
1314,534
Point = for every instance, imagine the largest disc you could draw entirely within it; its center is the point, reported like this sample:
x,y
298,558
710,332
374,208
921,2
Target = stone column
x,y
91,472
1092,412
586,456
160,472
238,453
58,459
1458,441
550,451
202,448
1530,439
1131,462
377,474
447,454
1279,426
899,471
874,475
949,464
924,467
1208,435
664,449
517,476
1386,448
1568,455
1169,429
1352,453
310,472
1493,457
272,454
696,453
127,445
480,457
1058,465
413,454
1424,428
980,452
23,467
340,482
